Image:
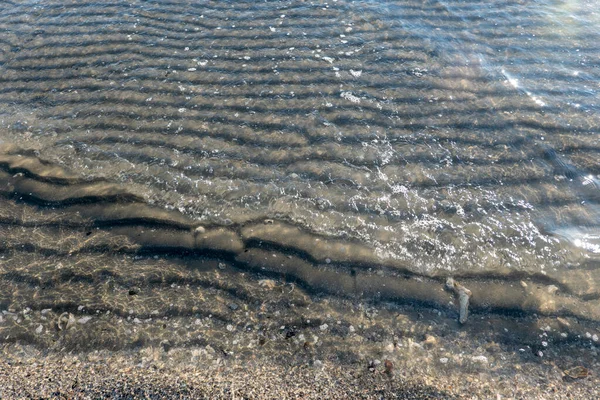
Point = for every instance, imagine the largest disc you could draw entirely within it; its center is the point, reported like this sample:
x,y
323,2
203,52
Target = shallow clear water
x,y
365,143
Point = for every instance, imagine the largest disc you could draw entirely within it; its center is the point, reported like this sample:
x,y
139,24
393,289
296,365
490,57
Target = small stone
x,y
595,338
480,359
523,284
577,372
267,283
493,348
351,329
233,306
20,126
372,366
199,230
389,367
444,360
324,327
39,329
84,320
430,341
552,289
230,328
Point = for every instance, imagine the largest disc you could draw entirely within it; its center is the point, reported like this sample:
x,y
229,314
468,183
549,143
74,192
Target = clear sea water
x,y
377,147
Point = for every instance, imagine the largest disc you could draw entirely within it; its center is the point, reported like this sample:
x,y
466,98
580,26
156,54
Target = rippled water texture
x,y
364,149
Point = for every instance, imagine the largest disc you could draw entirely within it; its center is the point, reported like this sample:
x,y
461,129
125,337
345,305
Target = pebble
x,y
267,283
324,327
552,289
230,328
480,359
39,329
429,341
389,367
444,360
233,306
85,320
351,329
